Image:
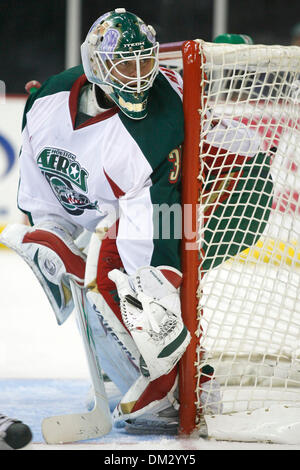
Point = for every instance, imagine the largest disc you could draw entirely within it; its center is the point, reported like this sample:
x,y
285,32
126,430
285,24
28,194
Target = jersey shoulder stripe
x,y
174,79
55,84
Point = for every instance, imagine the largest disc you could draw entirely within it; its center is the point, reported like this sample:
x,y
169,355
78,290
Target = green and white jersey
x,y
107,163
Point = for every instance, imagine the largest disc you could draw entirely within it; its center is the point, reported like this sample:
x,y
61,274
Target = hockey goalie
x,y
100,160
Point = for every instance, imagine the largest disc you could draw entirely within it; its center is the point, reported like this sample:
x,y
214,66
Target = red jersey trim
x,y
115,188
73,106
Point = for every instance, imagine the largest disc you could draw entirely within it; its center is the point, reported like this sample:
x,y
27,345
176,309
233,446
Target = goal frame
x,y
172,53
191,416
190,254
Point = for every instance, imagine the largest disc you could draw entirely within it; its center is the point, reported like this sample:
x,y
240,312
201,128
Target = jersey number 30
x,y
175,158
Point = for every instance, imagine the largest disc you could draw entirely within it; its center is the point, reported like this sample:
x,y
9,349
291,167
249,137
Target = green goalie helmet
x,y
120,54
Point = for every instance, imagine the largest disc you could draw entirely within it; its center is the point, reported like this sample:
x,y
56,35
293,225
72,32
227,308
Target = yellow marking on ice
x,y
93,286
272,251
127,407
67,292
2,227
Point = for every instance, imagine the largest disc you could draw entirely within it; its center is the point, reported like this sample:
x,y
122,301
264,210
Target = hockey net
x,y
241,244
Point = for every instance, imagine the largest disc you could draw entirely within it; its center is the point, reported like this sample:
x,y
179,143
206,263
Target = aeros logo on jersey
x,y
65,176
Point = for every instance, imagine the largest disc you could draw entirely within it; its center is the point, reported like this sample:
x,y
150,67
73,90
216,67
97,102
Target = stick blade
x,y
77,427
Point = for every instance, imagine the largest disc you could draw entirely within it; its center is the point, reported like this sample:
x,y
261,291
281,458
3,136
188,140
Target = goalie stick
x,y
90,425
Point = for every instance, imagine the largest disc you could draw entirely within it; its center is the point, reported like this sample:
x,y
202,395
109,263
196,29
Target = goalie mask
x,y
120,54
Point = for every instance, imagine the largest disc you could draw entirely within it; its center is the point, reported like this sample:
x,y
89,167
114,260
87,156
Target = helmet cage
x,y
109,62
113,56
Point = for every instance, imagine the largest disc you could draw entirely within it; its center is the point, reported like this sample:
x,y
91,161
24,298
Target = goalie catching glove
x,y
150,308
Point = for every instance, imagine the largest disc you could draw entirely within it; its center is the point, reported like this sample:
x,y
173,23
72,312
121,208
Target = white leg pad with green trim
x,y
53,257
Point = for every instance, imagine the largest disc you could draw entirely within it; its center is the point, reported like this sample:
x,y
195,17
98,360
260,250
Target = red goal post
x,y
171,56
243,311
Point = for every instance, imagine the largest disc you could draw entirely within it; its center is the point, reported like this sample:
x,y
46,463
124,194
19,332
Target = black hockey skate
x,y
13,433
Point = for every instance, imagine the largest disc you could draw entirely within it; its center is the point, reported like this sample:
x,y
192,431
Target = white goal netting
x,y
249,305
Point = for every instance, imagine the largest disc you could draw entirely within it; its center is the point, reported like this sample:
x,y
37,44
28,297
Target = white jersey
x,y
92,169
108,164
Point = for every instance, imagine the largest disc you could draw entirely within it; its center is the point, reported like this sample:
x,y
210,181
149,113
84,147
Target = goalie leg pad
x,y
115,347
153,407
119,356
53,257
102,257
145,397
